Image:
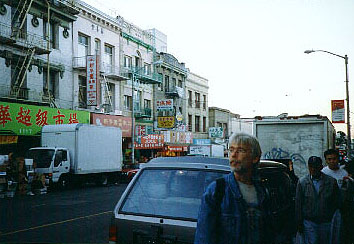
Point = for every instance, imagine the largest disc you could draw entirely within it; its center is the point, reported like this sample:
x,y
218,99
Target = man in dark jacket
x,y
317,198
240,216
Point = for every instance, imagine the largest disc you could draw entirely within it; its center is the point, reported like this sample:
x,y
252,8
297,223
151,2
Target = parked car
x,y
161,204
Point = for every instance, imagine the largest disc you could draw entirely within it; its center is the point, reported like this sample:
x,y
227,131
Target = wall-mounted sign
x,y
151,141
177,137
338,111
166,122
201,141
164,105
216,132
27,120
91,74
124,123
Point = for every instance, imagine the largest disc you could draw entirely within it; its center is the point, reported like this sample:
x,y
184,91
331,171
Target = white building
x,y
36,58
197,105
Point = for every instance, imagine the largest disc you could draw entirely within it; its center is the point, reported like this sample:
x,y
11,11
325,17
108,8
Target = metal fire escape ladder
x,y
18,21
22,73
107,93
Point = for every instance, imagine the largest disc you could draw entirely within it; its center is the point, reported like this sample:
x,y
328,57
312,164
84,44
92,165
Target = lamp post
x,y
345,57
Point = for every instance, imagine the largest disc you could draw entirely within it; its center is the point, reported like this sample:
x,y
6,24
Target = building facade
x,y
197,105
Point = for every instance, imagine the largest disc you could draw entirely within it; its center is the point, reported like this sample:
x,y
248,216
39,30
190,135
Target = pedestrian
x,y
317,199
333,168
234,208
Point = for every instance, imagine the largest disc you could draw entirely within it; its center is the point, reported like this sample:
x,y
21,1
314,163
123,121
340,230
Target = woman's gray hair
x,y
243,138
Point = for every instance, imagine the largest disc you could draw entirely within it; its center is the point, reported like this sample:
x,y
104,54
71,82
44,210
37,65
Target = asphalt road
x,y
79,215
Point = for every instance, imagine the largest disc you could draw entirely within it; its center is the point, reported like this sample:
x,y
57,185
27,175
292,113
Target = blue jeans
x,y
317,233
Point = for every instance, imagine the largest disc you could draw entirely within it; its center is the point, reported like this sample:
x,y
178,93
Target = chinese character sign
x,y
124,123
166,122
23,119
216,132
338,111
164,105
91,71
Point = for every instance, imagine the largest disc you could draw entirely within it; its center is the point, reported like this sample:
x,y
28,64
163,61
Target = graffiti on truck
x,y
279,153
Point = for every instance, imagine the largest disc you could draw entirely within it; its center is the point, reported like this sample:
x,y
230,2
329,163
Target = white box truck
x,y
294,137
76,153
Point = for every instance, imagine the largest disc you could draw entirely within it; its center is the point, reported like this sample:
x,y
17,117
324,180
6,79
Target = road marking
x,y
55,223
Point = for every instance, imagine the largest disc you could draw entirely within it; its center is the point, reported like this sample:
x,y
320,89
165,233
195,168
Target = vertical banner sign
x,y
338,111
91,70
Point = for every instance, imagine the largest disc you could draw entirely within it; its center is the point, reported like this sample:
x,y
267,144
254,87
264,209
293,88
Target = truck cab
x,y
53,162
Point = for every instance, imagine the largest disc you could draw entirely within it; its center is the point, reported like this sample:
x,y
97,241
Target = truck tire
x,y
63,182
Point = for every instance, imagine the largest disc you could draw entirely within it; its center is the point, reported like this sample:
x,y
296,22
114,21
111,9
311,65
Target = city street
x,y
79,215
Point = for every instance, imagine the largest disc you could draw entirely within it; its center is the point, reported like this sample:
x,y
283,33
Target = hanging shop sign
x,y
91,71
164,105
8,139
27,120
177,137
166,122
216,132
176,148
201,141
124,123
338,111
150,142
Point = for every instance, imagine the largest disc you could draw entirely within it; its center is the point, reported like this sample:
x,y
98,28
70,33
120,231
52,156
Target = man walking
x,y
317,198
239,216
333,169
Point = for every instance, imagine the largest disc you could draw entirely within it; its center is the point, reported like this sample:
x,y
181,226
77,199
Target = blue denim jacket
x,y
233,213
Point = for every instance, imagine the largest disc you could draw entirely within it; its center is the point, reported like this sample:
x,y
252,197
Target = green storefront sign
x,y
27,120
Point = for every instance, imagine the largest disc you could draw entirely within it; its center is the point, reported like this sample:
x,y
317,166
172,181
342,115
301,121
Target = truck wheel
x,y
63,182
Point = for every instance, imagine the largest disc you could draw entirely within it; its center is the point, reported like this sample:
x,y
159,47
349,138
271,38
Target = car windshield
x,y
173,193
41,157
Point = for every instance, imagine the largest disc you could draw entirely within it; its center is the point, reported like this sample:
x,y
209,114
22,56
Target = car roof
x,y
204,162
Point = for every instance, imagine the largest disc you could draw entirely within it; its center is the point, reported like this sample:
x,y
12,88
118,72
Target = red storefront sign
x,y
124,123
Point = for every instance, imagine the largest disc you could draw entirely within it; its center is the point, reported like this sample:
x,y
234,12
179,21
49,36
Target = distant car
x,y
161,204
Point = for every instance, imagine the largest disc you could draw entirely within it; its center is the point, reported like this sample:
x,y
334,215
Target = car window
x,y
170,193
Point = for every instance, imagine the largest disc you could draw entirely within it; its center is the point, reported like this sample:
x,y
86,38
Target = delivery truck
x,y
77,153
294,137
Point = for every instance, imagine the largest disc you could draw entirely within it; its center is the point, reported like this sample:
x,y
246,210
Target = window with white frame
x,y
147,69
108,55
97,47
127,62
83,46
127,102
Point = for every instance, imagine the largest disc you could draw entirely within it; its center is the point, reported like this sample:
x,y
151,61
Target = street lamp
x,y
345,57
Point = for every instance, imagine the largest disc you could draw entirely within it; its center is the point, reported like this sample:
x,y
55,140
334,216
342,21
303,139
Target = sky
x,y
252,51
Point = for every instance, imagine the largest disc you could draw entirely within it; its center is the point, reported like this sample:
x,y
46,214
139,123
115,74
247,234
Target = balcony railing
x,y
23,39
143,113
109,70
11,93
143,76
174,91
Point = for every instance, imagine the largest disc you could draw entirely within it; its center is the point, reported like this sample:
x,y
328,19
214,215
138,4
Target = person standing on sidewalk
x,y
317,199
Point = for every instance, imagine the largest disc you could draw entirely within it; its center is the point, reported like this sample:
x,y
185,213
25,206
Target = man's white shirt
x,y
336,174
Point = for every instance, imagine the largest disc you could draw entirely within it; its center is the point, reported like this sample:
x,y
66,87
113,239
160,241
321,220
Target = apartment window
x,y
190,98
197,123
173,82
197,100
189,122
204,102
82,92
127,62
108,54
204,124
127,102
226,133
167,83
16,79
83,47
53,86
97,47
52,35
160,85
147,103
147,69
180,84
111,91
